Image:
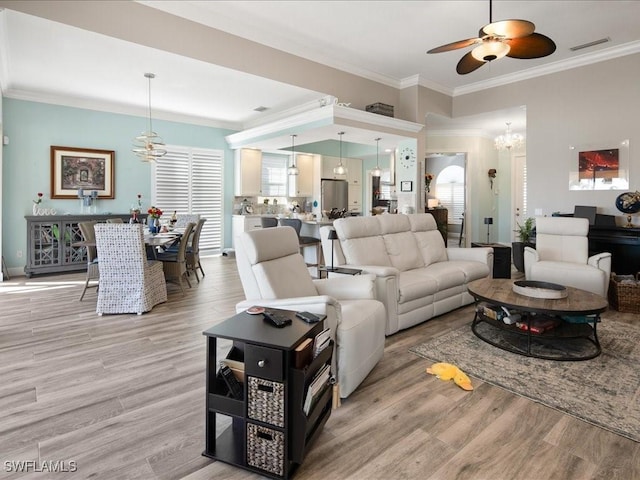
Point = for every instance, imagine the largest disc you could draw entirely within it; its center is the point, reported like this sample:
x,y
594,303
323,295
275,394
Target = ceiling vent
x,y
260,109
590,44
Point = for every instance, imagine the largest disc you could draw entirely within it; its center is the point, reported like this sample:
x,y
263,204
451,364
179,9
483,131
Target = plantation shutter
x,y
189,181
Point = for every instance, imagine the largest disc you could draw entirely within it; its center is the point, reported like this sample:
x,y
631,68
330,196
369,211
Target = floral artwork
x,y
75,169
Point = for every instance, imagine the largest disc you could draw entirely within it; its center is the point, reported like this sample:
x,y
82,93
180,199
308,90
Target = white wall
x,y
586,105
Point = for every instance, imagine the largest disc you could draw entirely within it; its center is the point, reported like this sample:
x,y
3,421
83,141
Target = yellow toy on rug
x,y
446,371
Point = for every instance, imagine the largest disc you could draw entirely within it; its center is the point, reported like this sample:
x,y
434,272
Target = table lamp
x,y
333,236
488,221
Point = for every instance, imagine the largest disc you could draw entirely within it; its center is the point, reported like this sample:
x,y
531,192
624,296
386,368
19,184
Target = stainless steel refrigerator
x,y
334,194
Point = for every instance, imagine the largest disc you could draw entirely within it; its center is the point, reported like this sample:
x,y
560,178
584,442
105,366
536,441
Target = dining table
x,y
151,241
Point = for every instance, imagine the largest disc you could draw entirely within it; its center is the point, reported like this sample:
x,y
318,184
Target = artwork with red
x,y
594,164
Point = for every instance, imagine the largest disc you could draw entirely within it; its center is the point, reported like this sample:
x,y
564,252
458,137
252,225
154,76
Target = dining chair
x,y
174,265
304,241
183,219
268,222
87,230
193,250
129,283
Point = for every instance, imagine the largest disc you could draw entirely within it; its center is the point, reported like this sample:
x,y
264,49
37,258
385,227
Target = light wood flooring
x,y
123,397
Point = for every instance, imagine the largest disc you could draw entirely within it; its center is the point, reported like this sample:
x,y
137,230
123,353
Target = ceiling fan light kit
x,y
511,38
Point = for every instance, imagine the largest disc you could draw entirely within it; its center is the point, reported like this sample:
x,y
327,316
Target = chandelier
x,y
148,145
509,139
376,172
293,170
340,169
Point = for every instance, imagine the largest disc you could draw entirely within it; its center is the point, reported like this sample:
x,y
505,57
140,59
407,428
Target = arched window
x,y
450,192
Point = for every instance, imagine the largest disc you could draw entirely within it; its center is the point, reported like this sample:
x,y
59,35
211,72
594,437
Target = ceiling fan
x,y
511,38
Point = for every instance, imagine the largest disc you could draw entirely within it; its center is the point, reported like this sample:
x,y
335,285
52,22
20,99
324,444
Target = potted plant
x,y
524,232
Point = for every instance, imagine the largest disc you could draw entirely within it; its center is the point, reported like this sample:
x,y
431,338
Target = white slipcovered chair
x,y
274,274
562,256
129,283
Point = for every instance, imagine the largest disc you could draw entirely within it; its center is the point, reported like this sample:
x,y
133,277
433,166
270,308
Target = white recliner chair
x,y
562,256
274,274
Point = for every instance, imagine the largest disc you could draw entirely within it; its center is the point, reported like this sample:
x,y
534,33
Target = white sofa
x,y
417,277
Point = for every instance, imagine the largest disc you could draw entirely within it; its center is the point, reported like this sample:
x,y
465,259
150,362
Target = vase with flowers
x,y
428,178
38,201
154,219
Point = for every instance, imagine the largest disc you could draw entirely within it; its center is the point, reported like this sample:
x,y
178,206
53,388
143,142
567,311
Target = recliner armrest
x,y
356,287
601,261
530,257
480,254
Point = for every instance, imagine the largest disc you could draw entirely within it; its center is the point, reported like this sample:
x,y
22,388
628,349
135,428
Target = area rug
x,y
604,391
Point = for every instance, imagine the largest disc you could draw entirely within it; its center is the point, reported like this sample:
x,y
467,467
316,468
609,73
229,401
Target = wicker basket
x,y
625,296
265,449
265,401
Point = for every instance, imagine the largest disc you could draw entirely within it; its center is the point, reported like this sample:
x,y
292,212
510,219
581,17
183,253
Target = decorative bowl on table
x,y
537,289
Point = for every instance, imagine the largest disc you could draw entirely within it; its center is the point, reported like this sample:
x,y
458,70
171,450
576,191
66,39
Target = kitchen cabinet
x,y
354,171
355,197
248,172
243,223
329,163
301,185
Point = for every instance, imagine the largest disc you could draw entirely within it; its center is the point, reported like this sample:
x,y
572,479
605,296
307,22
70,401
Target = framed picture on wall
x,y
73,169
603,166
406,186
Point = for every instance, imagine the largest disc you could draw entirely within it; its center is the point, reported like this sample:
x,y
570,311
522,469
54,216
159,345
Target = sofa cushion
x,y
399,242
428,238
444,274
413,284
471,270
361,241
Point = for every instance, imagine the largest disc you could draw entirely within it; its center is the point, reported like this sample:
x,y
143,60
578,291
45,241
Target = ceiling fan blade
x,y
535,45
454,46
508,28
468,64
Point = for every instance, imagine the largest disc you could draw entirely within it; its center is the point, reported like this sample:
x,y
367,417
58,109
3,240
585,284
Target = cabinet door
x,y
248,172
302,185
355,197
328,164
354,173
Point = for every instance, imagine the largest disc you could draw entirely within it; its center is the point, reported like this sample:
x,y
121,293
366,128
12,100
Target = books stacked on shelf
x,y
321,341
539,324
316,388
303,354
236,366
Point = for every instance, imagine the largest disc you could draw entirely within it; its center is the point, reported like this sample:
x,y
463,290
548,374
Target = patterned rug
x,y
604,391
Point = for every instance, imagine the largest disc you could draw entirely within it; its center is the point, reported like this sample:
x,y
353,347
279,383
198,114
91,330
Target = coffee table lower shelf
x,y
567,342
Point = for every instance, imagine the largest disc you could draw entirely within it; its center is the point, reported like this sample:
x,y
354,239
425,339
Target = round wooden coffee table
x,y
573,319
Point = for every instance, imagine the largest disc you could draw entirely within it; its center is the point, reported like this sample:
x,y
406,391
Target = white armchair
x,y
274,274
561,256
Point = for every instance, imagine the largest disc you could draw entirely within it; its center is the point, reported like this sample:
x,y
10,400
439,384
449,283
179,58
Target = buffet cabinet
x,y
51,239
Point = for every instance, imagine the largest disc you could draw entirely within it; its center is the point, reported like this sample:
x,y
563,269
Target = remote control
x,y
308,317
276,320
235,387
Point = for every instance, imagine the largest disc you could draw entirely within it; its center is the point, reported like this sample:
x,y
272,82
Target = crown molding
x,y
555,67
109,107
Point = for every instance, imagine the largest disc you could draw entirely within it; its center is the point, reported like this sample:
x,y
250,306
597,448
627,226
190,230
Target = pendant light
x,y
148,145
340,169
293,170
376,172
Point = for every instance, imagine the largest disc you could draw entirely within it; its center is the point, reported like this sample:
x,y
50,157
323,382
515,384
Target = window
x,y
450,192
189,180
274,175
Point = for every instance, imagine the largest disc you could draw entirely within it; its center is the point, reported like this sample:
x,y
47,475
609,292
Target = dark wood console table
x,y
623,243
441,216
